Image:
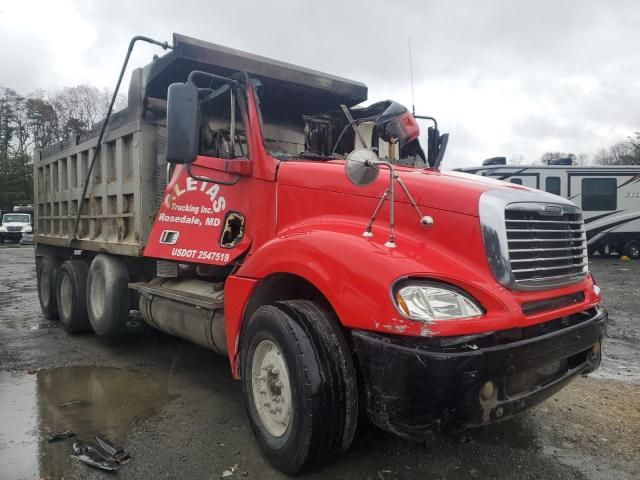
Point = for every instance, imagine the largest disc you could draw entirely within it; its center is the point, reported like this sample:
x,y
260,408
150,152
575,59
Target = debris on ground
x,y
105,455
230,471
56,436
117,453
90,455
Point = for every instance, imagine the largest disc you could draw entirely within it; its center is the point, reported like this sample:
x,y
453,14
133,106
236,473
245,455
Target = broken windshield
x,y
299,123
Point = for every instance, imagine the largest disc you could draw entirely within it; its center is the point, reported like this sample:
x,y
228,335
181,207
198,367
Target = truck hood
x,y
443,190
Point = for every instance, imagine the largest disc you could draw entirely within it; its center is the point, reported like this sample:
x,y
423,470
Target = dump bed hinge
x,y
193,299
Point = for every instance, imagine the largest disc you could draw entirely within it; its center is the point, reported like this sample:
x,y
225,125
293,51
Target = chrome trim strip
x,y
566,240
555,267
546,259
577,247
543,230
544,221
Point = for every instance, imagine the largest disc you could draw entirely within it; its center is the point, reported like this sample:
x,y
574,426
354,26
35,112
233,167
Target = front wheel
x,y
299,385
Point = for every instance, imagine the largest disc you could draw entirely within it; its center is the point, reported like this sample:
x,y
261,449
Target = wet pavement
x,y
88,400
175,408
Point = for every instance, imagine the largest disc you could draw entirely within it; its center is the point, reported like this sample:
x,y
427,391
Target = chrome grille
x,y
14,229
546,244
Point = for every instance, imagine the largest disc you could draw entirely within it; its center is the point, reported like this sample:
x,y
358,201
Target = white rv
x,y
608,196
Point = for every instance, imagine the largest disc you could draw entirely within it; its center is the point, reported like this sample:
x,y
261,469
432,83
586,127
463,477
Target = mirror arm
x,y
200,73
211,180
425,220
213,94
367,231
426,117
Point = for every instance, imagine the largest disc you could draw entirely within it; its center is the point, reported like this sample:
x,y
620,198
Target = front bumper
x,y
416,386
12,236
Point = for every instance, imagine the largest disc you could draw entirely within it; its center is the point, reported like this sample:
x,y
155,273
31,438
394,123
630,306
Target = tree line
x,y
38,120
626,152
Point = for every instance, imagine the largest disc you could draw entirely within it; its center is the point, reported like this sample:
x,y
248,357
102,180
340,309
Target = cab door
x,y
205,209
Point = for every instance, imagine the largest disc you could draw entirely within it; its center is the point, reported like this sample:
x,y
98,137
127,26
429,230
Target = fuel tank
x,y
189,309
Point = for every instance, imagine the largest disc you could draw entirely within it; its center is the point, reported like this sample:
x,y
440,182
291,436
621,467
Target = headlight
x,y
28,229
3,229
429,301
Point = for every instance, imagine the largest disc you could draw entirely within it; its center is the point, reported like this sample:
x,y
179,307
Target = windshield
x,y
297,124
16,218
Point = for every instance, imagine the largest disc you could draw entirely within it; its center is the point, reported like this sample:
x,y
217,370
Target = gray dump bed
x,y
129,177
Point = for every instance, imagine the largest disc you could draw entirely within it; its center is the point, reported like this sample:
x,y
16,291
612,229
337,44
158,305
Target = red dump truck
x,y
252,207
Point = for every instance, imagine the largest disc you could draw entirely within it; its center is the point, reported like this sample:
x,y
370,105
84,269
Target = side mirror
x,y
361,167
442,147
433,137
183,123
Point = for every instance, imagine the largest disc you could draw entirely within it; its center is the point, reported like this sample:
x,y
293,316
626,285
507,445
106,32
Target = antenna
x,y
413,101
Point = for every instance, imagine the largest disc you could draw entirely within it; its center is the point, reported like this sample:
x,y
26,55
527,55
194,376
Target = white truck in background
x,y
15,224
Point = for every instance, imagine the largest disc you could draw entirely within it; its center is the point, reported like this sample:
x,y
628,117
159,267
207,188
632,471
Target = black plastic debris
x,y
117,453
56,436
90,455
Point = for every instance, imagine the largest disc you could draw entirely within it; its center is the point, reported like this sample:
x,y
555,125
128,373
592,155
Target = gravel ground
x,y
177,411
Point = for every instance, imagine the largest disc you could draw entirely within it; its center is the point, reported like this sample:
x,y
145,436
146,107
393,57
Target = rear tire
x,y
632,249
318,390
108,295
72,296
47,272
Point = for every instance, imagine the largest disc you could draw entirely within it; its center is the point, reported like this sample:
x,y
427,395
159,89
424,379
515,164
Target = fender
x,y
354,273
333,259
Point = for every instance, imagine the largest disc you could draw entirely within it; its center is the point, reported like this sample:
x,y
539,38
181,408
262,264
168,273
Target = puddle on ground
x,y
84,400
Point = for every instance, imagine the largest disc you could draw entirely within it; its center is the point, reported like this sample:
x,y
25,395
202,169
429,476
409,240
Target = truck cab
x,y
254,208
14,225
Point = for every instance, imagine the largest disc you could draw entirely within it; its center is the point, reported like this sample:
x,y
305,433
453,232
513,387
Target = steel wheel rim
x,y
271,388
65,296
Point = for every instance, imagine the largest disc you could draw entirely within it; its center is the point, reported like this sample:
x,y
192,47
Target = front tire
x,y
48,269
108,295
299,385
72,298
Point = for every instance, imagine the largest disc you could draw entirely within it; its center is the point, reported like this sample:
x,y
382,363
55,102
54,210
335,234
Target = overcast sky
x,y
514,78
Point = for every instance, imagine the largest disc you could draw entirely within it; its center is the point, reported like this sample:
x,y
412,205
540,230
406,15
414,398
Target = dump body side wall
x,y
121,199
